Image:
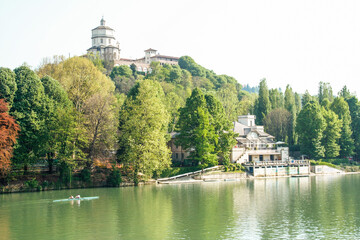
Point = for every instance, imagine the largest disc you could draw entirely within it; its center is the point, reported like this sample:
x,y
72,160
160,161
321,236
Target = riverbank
x,y
38,181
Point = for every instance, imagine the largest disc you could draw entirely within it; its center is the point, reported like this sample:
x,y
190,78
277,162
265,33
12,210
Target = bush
x,y
32,184
65,173
85,175
114,178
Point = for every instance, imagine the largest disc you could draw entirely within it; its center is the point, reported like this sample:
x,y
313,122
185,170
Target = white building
x,y
104,43
255,145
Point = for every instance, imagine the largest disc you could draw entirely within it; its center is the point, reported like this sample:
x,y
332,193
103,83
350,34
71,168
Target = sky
x,y
291,42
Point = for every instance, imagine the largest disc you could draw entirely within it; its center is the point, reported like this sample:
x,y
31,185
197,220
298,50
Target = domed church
x,y
104,43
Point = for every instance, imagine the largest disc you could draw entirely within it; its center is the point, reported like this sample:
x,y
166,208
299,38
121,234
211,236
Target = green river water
x,y
321,207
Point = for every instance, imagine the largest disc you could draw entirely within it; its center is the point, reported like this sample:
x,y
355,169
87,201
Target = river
x,y
321,207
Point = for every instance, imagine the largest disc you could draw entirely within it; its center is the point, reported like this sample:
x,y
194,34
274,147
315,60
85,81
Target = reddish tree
x,y
8,132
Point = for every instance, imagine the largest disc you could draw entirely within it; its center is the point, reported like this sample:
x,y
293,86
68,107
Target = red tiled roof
x,y
150,49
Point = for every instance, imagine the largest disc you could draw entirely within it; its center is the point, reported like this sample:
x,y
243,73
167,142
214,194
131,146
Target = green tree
x,y
196,134
345,93
291,108
59,125
7,85
121,71
28,109
262,103
331,133
310,125
341,108
189,64
143,131
306,98
354,107
325,91
277,123
276,98
228,97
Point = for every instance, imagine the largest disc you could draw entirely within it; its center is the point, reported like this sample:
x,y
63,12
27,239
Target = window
x,y
101,40
177,156
109,41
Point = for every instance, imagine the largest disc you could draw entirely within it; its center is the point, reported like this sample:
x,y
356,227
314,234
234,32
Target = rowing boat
x,y
72,199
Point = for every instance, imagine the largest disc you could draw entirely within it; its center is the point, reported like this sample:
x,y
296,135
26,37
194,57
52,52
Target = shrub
x,y
32,184
65,173
114,178
85,175
313,162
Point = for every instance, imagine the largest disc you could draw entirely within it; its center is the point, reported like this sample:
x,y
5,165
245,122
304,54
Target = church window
x,y
101,40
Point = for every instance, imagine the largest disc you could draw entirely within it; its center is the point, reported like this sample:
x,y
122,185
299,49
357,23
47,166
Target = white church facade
x,y
105,45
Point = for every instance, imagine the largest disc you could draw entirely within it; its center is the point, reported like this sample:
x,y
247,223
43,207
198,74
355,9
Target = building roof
x,y
150,50
239,128
163,56
103,27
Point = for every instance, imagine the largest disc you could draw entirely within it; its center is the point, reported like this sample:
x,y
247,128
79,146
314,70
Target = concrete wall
x,y
323,169
222,176
268,171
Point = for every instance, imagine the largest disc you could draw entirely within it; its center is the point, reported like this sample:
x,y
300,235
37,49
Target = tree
x,y
341,108
310,125
196,133
354,107
228,97
345,93
306,98
277,123
276,98
325,91
59,124
8,133
189,64
291,108
143,131
262,104
121,71
7,85
28,109
331,133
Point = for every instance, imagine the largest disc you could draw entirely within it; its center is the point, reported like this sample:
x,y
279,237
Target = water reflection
x,y
289,208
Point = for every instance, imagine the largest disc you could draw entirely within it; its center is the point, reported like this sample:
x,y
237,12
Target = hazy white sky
x,y
286,41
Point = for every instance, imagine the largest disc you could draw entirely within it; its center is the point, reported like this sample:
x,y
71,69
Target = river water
x,y
321,207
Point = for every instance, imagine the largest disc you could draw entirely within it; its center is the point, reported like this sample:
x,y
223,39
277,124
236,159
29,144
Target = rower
x,y
77,196
71,197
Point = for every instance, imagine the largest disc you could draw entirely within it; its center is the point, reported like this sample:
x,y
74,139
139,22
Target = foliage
x,y
85,175
114,178
32,184
310,126
28,109
306,98
8,133
341,108
262,105
121,71
331,133
7,85
196,131
291,108
354,108
277,123
65,171
143,131
325,91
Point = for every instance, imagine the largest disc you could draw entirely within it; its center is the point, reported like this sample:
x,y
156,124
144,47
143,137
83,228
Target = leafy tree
x,y
189,64
277,123
143,131
297,103
341,108
121,71
262,104
354,107
345,93
28,109
325,91
228,97
196,133
57,128
7,85
291,108
276,98
331,133
8,133
310,125
306,98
